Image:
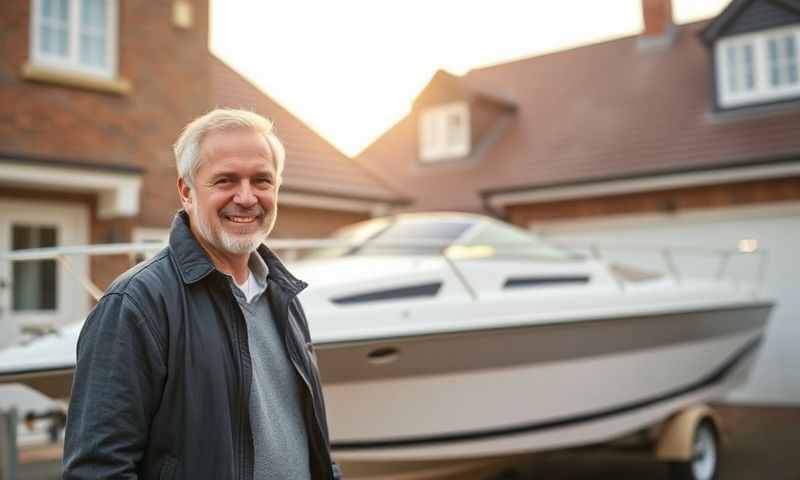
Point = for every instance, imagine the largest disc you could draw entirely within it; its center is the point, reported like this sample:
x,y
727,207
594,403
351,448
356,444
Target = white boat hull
x,y
506,391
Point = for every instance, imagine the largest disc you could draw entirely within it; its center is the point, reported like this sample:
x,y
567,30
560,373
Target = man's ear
x,y
185,193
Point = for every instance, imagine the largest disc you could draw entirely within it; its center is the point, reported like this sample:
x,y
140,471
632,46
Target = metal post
x,y
673,269
460,276
8,444
723,265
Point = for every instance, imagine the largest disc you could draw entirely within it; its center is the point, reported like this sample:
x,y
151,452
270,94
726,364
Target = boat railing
x,y
668,255
452,253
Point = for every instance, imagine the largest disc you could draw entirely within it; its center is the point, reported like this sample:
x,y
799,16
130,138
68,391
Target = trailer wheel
x,y
705,456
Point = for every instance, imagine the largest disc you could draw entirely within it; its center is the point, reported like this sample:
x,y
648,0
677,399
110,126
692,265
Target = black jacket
x,y
162,383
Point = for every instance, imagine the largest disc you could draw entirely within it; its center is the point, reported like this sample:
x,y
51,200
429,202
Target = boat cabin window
x,y
402,293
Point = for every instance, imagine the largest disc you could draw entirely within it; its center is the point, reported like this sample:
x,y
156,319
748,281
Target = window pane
x,y
57,10
773,50
733,74
791,60
47,39
749,73
53,31
63,10
774,63
48,8
22,237
454,130
93,33
93,15
34,282
47,237
93,51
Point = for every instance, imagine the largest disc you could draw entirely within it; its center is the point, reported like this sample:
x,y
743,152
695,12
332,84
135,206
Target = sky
x,y
350,69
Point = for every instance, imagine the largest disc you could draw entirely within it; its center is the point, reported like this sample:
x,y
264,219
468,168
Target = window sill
x,y
77,80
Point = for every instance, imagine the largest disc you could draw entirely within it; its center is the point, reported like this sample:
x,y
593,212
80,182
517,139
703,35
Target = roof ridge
x,y
574,48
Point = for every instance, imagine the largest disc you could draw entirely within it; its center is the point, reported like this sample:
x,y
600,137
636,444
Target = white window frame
x,y
435,135
763,90
72,63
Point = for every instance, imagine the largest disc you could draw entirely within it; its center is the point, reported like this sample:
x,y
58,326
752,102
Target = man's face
x,y
233,205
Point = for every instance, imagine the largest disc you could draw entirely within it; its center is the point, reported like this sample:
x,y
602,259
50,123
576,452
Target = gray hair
x,y
187,148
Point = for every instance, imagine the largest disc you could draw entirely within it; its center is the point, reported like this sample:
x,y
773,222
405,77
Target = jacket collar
x,y
194,264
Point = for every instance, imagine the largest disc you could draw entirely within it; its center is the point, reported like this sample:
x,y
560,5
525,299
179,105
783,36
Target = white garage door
x,y
776,229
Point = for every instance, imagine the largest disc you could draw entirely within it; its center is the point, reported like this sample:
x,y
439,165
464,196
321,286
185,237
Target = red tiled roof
x,y
604,110
312,164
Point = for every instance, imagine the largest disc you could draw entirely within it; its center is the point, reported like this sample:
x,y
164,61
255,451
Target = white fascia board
x,y
646,184
118,193
640,220
373,208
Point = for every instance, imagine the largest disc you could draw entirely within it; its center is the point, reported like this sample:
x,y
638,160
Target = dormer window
x,y
75,36
782,59
758,67
444,132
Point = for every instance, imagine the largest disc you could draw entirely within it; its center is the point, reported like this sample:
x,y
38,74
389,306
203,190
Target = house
x,y
92,95
684,135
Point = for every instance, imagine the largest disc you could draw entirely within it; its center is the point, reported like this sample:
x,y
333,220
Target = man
x,y
198,364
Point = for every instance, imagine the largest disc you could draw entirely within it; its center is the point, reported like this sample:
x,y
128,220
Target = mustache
x,y
234,211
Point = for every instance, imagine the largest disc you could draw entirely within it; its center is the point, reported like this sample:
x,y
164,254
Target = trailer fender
x,y
677,433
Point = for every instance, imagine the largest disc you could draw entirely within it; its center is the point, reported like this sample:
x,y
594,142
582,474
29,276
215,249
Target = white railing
x,y
451,253
668,256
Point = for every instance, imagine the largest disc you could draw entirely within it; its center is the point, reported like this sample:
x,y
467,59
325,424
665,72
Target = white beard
x,y
235,244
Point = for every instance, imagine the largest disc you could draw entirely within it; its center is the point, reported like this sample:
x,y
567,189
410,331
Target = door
x,y
39,295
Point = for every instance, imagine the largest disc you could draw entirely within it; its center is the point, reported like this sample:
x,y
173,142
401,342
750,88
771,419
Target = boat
x,y
453,336
505,343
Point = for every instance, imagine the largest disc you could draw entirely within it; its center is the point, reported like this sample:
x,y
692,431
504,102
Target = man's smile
x,y
240,219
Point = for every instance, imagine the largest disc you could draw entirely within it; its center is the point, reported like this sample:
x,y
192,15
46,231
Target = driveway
x,y
764,444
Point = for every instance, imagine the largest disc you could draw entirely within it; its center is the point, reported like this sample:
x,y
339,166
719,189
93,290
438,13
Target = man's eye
x,y
264,181
221,181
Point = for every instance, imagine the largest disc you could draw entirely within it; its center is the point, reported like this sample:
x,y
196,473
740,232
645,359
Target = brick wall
x,y
665,201
168,71
302,222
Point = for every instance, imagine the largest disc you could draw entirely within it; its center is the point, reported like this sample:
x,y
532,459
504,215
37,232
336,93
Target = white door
x,y
775,229
42,294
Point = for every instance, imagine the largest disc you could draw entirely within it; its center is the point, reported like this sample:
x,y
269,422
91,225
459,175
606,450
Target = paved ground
x,y
764,445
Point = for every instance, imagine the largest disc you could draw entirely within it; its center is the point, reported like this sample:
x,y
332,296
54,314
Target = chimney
x,y
659,28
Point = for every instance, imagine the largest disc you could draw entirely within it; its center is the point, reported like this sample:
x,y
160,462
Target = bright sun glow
x,y
350,69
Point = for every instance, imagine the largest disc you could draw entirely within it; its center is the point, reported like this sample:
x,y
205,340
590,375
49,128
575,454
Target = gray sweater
x,y
279,437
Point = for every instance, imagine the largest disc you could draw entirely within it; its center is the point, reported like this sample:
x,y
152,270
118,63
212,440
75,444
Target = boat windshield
x,y
415,237
351,237
459,237
498,239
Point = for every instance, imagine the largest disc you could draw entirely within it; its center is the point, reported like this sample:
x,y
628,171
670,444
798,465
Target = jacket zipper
x,y
307,383
243,401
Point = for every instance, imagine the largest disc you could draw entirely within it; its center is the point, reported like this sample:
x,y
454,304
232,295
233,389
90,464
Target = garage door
x,y
774,229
